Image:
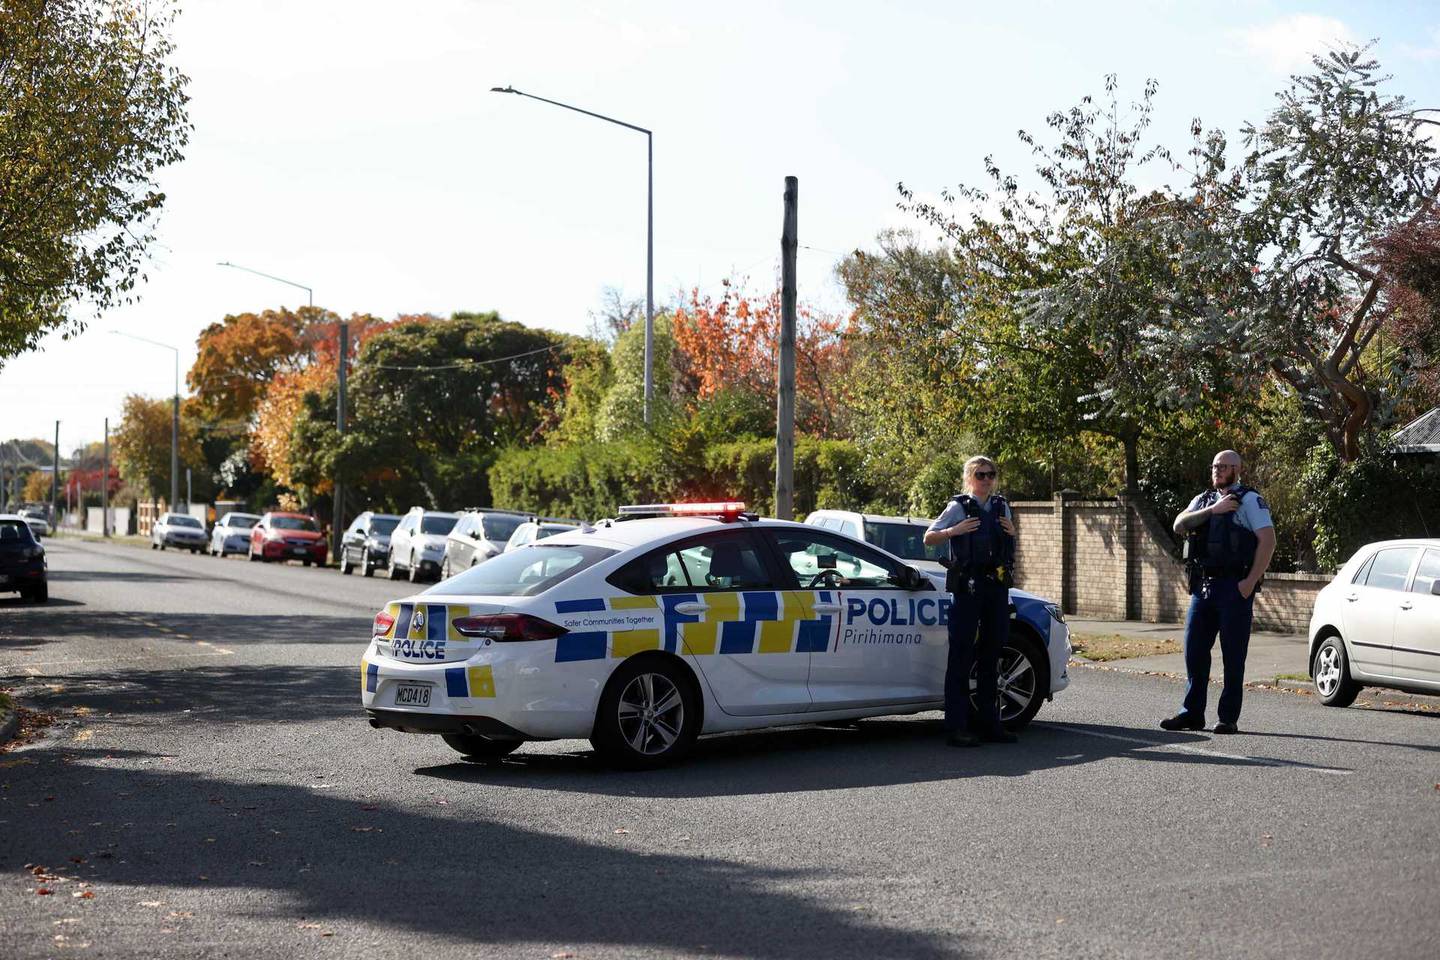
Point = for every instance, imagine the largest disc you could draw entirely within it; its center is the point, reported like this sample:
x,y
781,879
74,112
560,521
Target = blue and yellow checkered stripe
x,y
746,622
435,621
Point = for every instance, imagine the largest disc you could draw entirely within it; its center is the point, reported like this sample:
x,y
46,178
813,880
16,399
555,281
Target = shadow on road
x,y
455,874
118,576
29,626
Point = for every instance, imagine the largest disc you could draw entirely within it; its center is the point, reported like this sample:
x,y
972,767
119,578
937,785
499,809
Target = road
x,y
209,788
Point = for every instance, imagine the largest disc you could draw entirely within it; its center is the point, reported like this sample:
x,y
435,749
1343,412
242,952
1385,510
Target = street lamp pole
x,y
649,233
337,521
174,419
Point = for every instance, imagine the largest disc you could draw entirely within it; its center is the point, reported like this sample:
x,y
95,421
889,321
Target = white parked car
x,y
533,530
417,545
641,634
178,530
902,536
1377,624
479,534
231,533
36,520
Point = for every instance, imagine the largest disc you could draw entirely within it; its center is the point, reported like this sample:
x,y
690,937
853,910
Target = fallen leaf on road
x,y
152,903
364,829
44,892
180,914
621,830
561,956
84,894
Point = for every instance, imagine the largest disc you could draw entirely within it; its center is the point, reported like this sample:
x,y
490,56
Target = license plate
x,y
299,551
412,695
4,578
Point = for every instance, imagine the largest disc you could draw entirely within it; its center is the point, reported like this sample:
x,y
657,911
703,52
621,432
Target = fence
x,y
1109,560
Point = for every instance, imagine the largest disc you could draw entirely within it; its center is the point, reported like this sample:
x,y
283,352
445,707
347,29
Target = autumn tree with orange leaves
x,y
733,343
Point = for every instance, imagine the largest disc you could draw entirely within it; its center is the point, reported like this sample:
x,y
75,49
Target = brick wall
x,y
1104,560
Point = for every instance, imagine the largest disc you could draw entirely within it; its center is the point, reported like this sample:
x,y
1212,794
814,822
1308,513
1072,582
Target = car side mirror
x,y
1435,587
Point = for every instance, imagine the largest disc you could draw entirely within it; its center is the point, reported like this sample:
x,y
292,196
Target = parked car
x,y
532,530
367,542
38,522
22,559
287,536
1377,624
179,530
644,633
902,536
417,545
478,536
231,534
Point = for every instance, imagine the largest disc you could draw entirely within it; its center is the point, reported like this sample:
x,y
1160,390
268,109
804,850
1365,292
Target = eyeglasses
x,y
985,474
1222,466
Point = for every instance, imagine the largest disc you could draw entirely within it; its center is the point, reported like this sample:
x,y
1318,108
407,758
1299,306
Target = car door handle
x,y
691,608
827,608
1406,605
1352,597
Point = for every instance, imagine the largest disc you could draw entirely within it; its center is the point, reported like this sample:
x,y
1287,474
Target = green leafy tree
x,y
622,412
90,111
141,444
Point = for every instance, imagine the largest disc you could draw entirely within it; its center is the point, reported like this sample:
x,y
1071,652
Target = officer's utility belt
x,y
1222,573
958,579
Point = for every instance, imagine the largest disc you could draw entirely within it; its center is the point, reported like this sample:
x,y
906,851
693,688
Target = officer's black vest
x,y
988,547
1221,547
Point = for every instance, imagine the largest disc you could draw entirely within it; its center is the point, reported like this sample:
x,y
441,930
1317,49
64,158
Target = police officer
x,y
979,528
1229,539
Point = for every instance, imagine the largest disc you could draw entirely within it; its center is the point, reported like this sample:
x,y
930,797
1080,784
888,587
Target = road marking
x,y
29,667
1186,748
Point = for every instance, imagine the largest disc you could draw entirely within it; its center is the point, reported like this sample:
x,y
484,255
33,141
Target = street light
x,y
175,420
649,232
337,522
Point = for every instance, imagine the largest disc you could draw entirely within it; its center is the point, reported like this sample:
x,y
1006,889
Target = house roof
x,y
1420,436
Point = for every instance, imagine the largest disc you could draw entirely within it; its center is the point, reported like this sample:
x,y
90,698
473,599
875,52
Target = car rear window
x,y
433,523
14,532
292,523
524,573
499,526
905,540
383,525
240,523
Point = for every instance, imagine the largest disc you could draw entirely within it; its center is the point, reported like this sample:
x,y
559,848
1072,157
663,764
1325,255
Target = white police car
x,y
644,632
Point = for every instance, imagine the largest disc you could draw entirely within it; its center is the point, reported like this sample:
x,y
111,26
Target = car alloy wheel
x,y
413,571
649,714
345,561
1331,671
366,567
1017,684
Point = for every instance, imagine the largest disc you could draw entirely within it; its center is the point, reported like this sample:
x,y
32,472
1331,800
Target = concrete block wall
x,y
1105,560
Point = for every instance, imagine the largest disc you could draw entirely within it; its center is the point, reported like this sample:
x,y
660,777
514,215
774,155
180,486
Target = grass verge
x,y
1114,646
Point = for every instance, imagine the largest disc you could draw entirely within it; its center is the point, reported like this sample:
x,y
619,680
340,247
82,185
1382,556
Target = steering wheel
x,y
820,580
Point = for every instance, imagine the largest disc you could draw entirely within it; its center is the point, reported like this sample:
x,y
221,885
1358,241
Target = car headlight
x,y
1055,612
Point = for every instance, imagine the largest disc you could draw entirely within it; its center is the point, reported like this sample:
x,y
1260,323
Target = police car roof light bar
x,y
725,510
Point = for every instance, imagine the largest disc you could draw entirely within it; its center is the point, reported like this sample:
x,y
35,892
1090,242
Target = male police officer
x,y
981,535
1229,539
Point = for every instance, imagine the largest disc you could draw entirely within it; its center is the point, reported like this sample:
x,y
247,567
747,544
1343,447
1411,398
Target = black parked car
x,y
22,560
366,543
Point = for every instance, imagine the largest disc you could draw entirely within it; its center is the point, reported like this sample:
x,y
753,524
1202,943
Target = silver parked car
x,y
178,530
231,534
417,544
36,520
478,536
1378,623
532,530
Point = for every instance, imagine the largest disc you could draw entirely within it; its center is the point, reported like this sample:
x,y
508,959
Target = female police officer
x,y
981,533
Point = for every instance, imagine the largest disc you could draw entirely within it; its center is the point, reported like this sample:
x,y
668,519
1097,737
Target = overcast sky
x,y
354,147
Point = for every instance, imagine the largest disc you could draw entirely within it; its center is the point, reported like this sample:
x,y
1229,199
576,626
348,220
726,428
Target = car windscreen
x,y
905,540
525,572
15,533
434,523
497,526
184,521
292,523
239,522
380,526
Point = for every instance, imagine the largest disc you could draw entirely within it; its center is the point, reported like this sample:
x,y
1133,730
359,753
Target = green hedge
x,y
1380,496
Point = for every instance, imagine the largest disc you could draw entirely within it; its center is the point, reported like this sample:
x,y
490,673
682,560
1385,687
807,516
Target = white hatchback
x,y
641,634
1378,623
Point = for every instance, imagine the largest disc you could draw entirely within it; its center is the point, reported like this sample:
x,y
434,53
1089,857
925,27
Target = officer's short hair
x,y
974,463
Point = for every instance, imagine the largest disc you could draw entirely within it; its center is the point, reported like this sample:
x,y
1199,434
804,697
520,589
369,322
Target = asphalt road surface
x,y
209,788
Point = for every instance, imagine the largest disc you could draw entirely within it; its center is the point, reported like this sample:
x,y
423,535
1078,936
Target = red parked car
x,y
287,536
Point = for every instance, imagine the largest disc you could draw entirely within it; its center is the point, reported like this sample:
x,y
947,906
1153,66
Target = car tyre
x,y
1019,689
480,749
40,594
413,571
649,714
154,545
345,567
366,567
1334,685
391,570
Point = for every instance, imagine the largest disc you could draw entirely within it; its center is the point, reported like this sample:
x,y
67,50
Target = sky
x,y
354,148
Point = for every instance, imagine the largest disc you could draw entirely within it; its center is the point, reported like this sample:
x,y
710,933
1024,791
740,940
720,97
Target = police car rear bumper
x,y
409,721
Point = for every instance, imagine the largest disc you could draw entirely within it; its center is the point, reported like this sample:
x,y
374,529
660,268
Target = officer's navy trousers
x,y
979,626
1217,609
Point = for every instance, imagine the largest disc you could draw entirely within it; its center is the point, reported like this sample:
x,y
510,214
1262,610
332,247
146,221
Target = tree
x,y
90,111
237,358
284,400
141,443
1334,171
622,412
37,487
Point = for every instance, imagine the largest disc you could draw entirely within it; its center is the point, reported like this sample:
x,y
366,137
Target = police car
x,y
672,621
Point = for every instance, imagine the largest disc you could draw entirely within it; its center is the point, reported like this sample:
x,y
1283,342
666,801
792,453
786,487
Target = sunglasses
x,y
985,474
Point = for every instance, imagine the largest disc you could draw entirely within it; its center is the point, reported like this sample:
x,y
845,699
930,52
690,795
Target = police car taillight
x,y
507,626
383,623
729,509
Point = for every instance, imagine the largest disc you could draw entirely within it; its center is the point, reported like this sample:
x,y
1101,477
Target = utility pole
x,y
105,485
785,399
187,489
337,522
55,478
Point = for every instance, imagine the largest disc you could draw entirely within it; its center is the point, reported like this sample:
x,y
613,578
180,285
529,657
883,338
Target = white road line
x,y
1186,748
27,667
